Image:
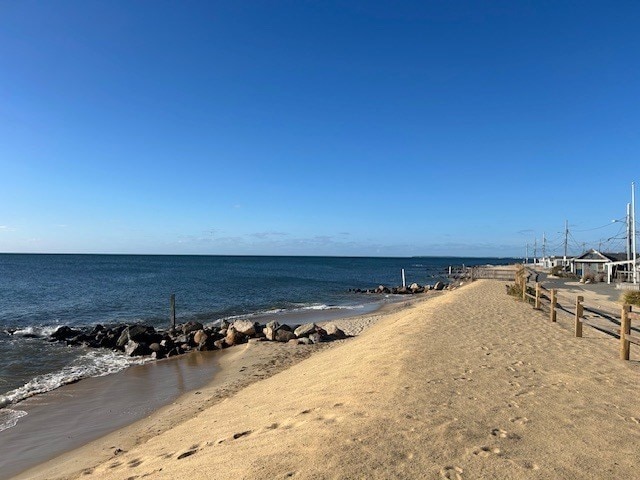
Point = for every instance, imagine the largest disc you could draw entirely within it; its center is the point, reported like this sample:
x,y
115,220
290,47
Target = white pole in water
x,y
404,283
449,270
633,231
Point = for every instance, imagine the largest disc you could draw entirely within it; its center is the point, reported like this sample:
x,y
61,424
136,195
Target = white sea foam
x,y
9,418
95,363
300,308
39,331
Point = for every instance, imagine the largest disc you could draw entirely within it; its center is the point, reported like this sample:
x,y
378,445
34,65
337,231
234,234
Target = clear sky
x,y
317,127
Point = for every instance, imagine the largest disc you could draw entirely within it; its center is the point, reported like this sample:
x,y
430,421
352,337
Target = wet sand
x,y
73,415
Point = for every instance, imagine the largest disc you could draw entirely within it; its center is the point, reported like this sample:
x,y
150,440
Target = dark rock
x,y
140,333
439,286
283,335
191,327
65,332
318,338
220,344
134,349
96,330
182,339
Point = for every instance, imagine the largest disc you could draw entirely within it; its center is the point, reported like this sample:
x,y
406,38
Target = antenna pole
x,y
566,239
633,232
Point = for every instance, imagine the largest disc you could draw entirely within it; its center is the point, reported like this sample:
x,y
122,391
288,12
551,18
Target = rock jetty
x,y
138,340
403,290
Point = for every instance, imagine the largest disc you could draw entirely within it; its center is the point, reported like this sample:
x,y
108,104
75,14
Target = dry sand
x,y
470,384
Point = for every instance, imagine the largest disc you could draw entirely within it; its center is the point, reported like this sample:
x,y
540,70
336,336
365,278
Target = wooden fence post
x,y
172,307
625,329
554,303
579,313
472,273
524,289
537,304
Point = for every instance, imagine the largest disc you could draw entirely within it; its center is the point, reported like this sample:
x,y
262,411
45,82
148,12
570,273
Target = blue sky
x,y
316,128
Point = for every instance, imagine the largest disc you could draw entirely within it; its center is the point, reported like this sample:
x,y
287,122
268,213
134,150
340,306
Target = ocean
x,y
39,293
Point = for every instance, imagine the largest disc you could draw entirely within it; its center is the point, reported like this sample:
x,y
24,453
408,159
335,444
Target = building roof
x,y
596,256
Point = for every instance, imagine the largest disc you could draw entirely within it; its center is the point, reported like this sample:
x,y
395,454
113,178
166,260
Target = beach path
x,y
471,384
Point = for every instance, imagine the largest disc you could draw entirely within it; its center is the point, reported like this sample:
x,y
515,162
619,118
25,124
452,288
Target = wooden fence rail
x,y
600,319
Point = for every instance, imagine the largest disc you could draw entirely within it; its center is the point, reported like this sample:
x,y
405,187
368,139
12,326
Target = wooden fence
x,y
608,322
504,273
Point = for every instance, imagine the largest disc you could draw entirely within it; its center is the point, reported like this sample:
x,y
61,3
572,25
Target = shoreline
x,y
470,384
227,371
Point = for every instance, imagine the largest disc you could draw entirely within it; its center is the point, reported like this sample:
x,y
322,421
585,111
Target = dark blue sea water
x,y
38,293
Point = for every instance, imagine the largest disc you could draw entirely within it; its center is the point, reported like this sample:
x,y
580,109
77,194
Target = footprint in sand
x,y
498,432
634,419
519,420
451,473
134,463
486,451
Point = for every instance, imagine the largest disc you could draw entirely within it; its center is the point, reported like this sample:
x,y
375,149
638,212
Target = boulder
x,y
191,327
382,289
200,337
270,330
333,331
438,286
283,335
65,332
233,336
134,349
155,347
137,333
140,333
318,338
305,330
245,327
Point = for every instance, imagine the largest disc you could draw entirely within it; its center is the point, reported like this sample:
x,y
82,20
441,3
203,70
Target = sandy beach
x,y
467,384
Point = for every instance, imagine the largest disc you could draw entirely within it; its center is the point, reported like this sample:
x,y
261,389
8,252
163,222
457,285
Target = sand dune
x,y
471,384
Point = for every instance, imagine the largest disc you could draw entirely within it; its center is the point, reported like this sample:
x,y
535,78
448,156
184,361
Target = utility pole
x,y
633,231
526,255
566,239
535,250
628,222
544,246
